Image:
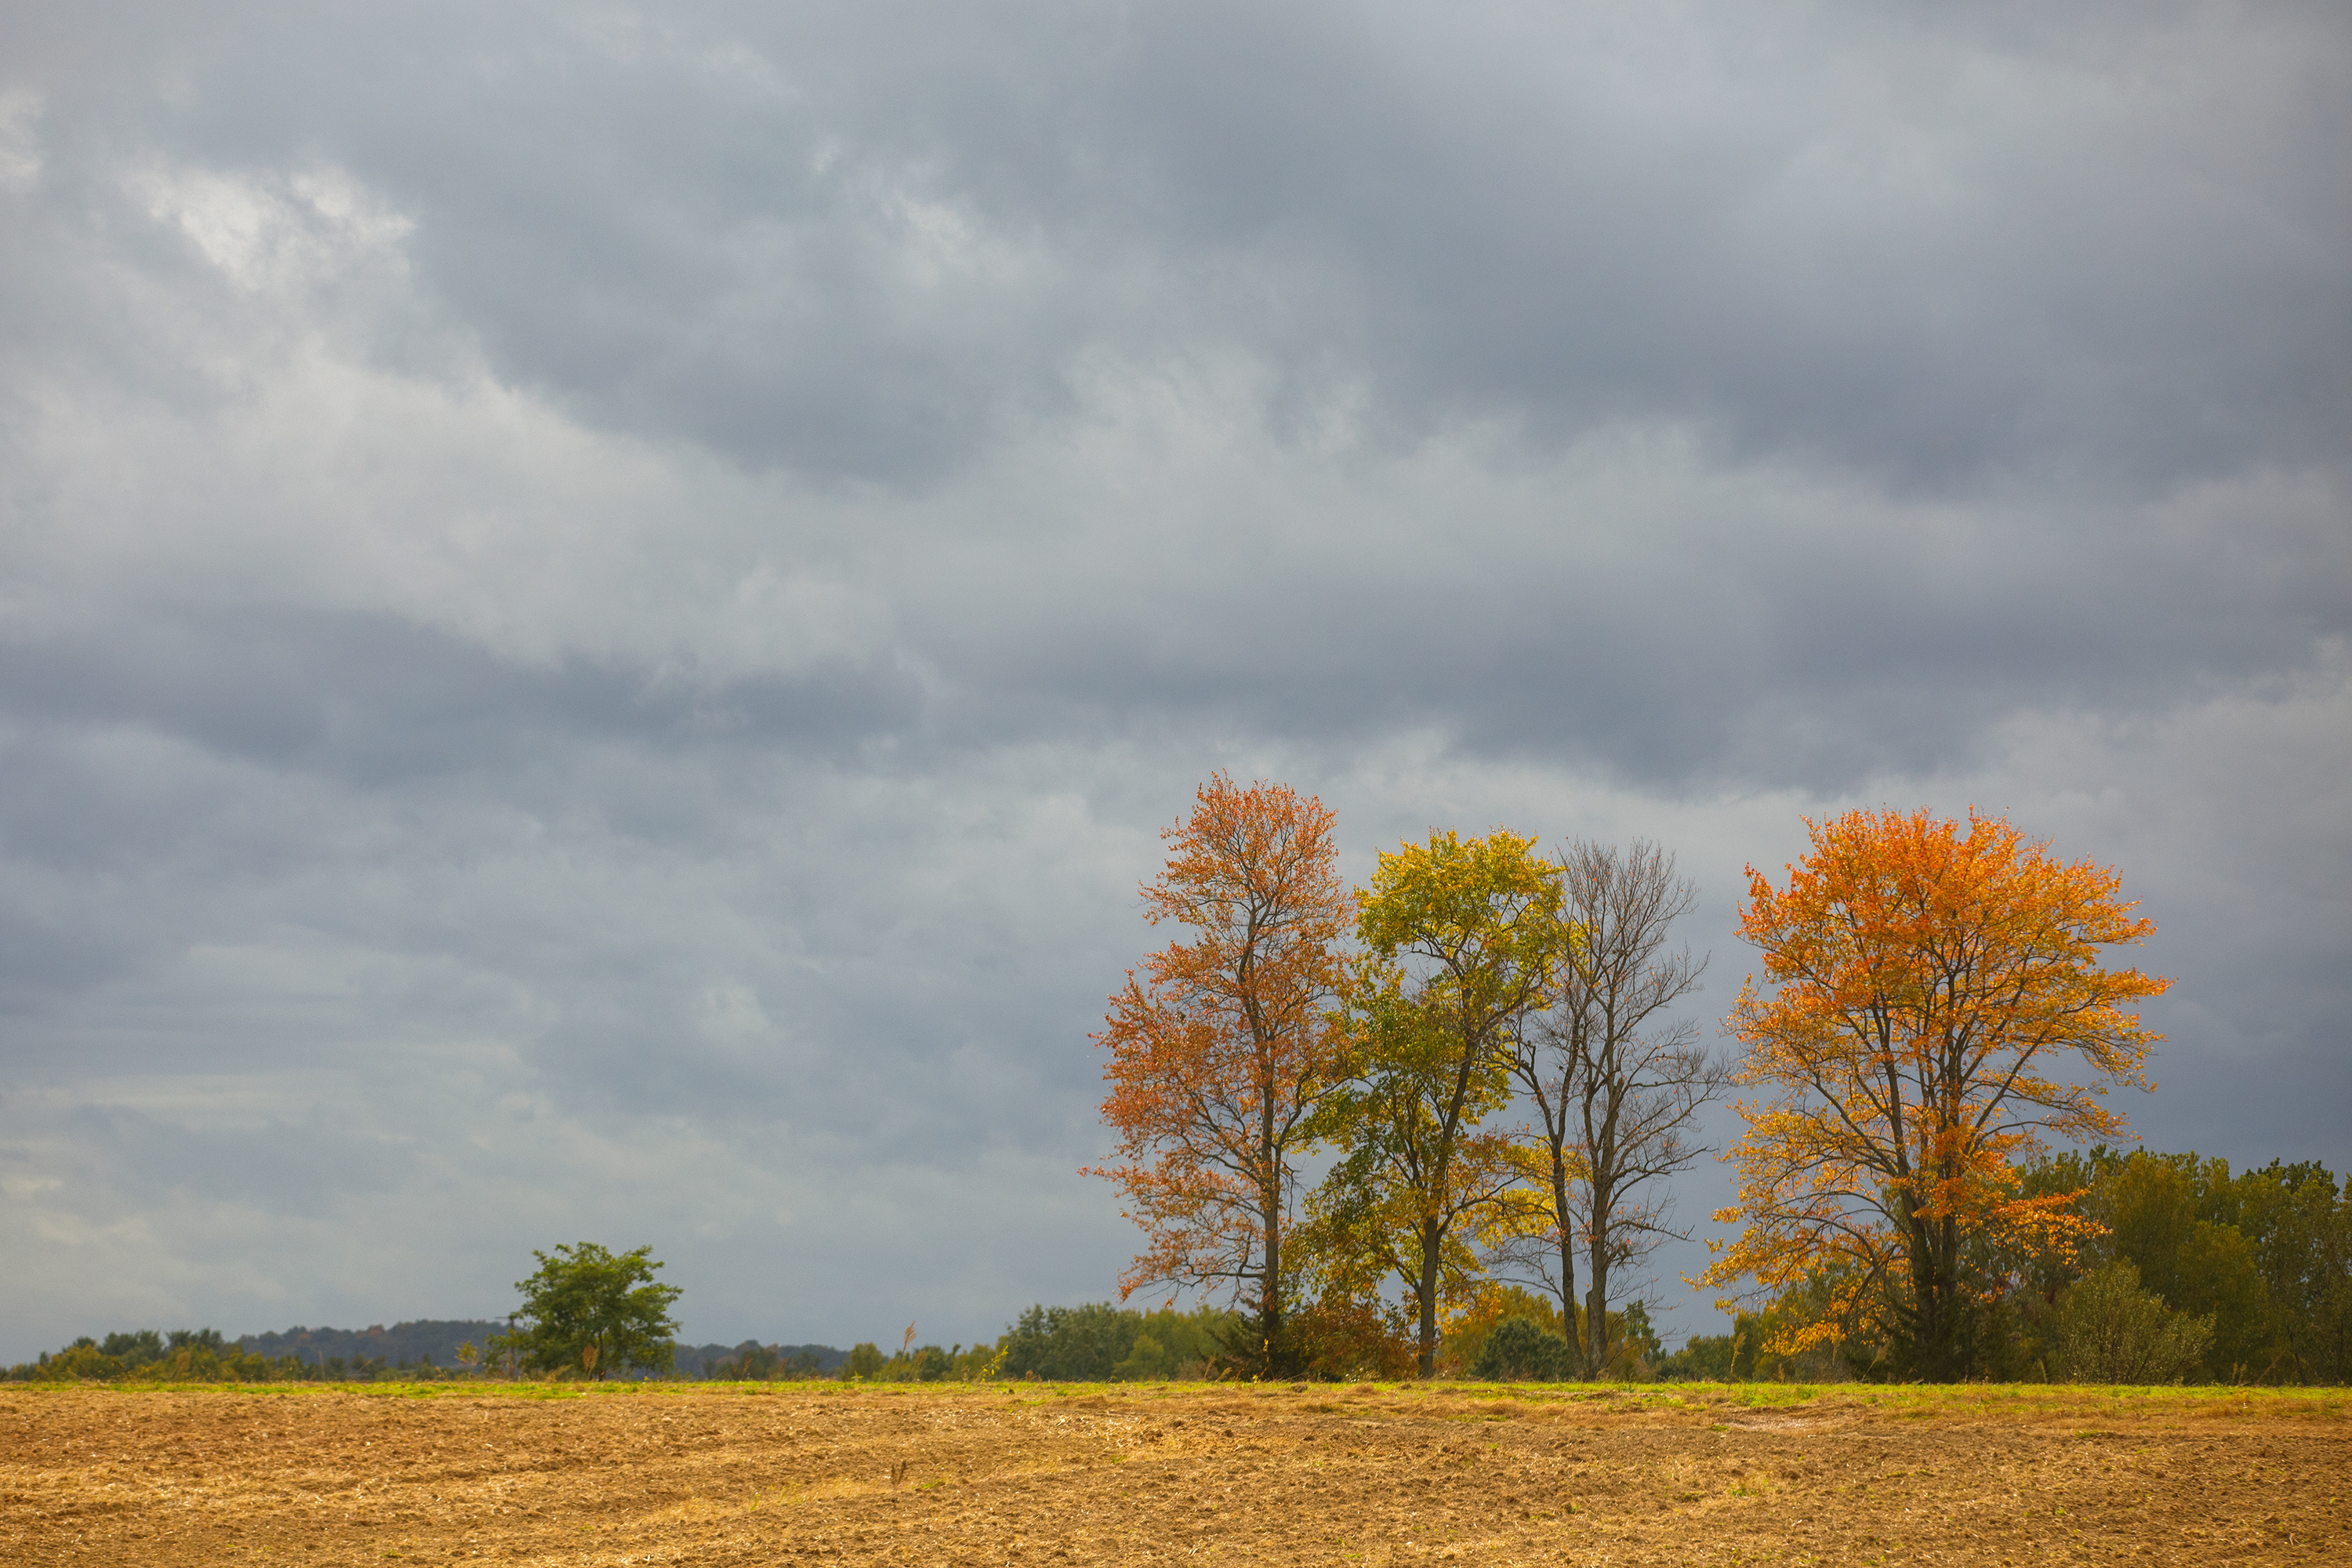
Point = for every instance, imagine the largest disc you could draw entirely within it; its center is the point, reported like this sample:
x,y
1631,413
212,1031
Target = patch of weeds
x,y
1758,1395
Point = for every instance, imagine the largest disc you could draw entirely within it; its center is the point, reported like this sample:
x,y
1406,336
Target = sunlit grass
x,y
2083,1403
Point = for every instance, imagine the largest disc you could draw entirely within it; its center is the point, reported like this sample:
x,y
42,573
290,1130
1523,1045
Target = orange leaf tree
x,y
1219,1052
1936,992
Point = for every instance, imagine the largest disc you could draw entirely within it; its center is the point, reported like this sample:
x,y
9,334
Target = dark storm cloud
x,y
371,699
2054,264
860,241
601,609
185,778
1815,641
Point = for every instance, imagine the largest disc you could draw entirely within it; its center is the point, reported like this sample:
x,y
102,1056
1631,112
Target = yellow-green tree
x,y
1934,995
1460,937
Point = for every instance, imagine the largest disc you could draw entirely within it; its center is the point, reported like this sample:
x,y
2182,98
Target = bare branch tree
x,y
1616,1081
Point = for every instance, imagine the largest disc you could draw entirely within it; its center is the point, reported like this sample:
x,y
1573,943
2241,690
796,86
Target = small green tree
x,y
595,1310
2111,1331
1070,1345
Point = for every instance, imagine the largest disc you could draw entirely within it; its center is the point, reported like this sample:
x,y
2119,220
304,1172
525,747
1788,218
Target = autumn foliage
x,y
1936,1011
1220,1050
1937,1008
1461,937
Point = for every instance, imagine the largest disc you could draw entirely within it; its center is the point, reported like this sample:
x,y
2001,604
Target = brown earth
x,y
1044,1475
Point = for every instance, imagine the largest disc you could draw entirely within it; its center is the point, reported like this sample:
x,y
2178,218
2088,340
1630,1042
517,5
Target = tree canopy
x,y
1220,1051
596,1310
1935,997
1460,938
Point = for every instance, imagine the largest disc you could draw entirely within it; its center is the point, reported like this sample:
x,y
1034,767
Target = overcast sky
x,y
600,609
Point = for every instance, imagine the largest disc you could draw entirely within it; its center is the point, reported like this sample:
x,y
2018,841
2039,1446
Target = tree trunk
x,y
1432,1238
1270,1301
1567,1252
1596,1305
1928,1297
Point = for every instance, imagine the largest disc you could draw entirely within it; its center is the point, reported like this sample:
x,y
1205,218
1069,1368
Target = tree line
x,y
1096,1342
1479,1059
2192,1273
2195,1273
591,1314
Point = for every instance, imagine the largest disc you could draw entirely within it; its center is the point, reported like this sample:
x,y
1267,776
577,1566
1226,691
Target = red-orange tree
x,y
1219,1052
1936,992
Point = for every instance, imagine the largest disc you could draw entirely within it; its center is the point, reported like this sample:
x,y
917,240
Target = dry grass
x,y
448,1473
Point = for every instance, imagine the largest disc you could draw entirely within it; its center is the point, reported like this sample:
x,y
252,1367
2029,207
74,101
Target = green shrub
x,y
1706,1358
2111,1331
1519,1352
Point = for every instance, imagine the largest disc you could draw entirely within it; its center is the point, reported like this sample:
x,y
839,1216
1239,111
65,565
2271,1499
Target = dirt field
x,y
1147,1474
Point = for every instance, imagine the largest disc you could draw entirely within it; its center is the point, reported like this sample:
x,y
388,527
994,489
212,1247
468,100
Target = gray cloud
x,y
868,242
598,615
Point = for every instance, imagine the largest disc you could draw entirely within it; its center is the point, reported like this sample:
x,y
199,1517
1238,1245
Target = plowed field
x,y
1143,1474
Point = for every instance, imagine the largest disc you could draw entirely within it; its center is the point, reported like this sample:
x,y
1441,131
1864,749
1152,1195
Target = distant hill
x,y
434,1340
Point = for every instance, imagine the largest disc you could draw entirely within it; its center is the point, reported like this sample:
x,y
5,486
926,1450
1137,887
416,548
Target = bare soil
x,y
1133,1474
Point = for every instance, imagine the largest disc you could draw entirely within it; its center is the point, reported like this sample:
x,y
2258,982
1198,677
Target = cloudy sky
x,y
600,608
